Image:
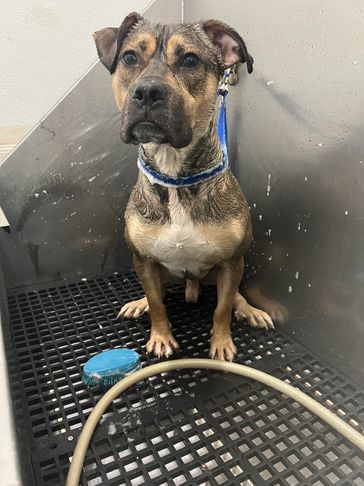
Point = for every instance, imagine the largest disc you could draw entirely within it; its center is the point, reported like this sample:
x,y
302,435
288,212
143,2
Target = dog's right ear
x,y
108,41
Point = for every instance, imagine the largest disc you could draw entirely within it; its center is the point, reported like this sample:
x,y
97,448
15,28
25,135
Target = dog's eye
x,y
130,58
190,60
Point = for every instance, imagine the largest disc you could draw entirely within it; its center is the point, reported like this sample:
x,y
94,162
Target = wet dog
x,y
165,79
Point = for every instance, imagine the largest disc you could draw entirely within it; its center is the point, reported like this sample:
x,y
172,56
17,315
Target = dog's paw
x,y
162,344
278,312
134,309
222,348
254,317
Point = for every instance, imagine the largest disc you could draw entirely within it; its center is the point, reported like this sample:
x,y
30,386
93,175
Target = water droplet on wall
x,y
268,185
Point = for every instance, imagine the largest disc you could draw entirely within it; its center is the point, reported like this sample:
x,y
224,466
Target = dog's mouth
x,y
161,127
147,131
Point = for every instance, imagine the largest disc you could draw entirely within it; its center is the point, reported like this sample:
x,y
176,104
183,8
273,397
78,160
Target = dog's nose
x,y
150,94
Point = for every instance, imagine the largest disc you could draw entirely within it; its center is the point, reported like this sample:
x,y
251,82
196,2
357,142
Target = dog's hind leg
x,y
253,316
277,311
134,309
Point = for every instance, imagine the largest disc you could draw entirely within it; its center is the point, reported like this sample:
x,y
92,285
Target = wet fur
x,y
200,233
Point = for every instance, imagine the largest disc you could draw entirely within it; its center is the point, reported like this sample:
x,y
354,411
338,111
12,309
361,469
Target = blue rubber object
x,y
109,367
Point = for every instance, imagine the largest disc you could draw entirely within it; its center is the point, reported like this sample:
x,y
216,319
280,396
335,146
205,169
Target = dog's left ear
x,y
230,43
108,41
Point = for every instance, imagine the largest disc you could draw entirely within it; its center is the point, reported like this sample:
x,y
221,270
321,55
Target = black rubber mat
x,y
182,428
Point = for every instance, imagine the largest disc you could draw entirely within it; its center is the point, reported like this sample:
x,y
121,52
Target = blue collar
x,y
171,182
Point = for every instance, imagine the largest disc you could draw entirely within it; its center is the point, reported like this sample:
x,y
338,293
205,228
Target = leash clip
x,y
224,85
229,78
233,77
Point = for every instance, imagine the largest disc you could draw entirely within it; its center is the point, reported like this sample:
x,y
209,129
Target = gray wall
x,y
45,47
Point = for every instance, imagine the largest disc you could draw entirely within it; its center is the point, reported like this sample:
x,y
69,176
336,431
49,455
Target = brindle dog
x,y
165,79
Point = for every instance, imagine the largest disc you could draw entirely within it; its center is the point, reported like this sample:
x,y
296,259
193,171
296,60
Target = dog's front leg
x,y
229,275
161,341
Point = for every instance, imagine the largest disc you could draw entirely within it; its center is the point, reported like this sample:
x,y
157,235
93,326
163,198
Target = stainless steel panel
x,y
64,188
297,146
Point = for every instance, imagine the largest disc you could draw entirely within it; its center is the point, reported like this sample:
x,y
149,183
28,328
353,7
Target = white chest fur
x,y
183,246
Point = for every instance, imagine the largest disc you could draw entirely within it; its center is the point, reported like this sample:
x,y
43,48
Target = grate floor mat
x,y
183,428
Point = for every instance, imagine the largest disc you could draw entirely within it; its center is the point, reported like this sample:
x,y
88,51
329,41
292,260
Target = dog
x,y
165,80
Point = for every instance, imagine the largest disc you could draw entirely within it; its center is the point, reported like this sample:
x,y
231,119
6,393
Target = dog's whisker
x,y
115,114
113,123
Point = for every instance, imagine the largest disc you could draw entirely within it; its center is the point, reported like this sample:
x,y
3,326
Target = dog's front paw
x,y
134,309
255,317
222,347
162,344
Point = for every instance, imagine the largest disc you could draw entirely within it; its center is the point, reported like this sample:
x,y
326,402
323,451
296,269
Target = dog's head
x,y
165,77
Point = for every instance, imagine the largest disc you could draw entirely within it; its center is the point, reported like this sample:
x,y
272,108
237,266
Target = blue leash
x,y
173,182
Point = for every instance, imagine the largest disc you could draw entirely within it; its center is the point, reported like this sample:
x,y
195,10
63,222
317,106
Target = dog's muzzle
x,y
155,114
